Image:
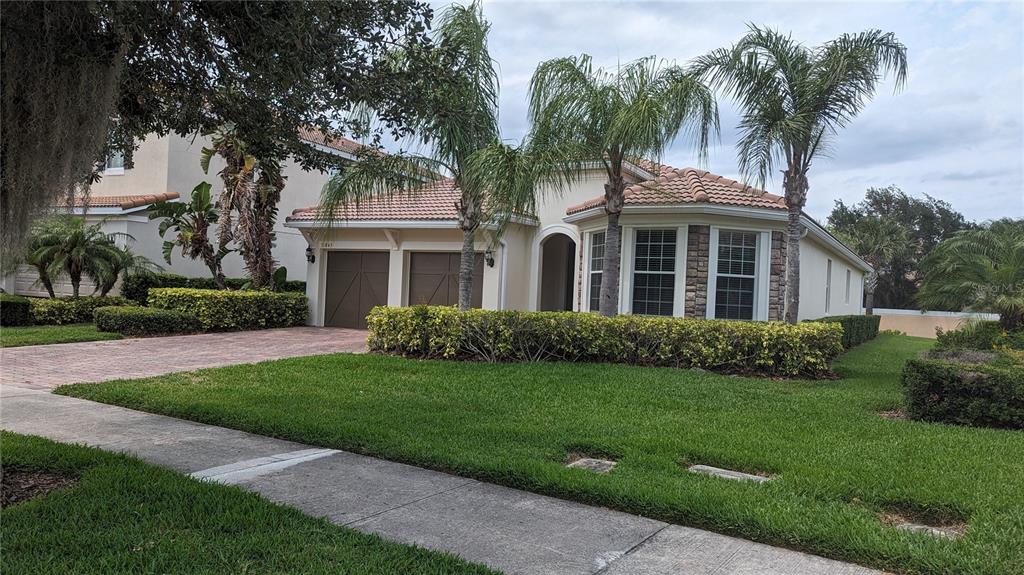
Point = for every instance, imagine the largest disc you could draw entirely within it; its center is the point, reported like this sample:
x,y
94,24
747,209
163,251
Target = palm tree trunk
x,y
609,294
795,183
76,281
44,278
466,265
869,293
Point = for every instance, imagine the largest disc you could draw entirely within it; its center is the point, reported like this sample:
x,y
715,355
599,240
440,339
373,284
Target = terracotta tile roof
x,y
687,186
315,136
124,202
434,202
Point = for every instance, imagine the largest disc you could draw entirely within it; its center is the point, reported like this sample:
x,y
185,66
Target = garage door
x,y
356,281
434,278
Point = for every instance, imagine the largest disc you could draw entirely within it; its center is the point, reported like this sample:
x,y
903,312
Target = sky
x,y
955,132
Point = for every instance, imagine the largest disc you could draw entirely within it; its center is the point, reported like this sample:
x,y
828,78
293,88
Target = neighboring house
x,y
694,245
167,168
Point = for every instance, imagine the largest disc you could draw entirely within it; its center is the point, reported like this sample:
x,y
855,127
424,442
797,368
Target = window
x,y
115,163
828,286
736,275
847,299
654,272
596,269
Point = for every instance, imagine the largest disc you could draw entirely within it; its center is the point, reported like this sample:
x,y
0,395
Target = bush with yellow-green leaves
x,y
223,310
766,348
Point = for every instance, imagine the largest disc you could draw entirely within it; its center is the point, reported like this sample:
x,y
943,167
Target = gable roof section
x,y
432,203
336,143
687,186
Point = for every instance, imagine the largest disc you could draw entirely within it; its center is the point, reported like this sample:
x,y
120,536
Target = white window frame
x,y
678,287
848,274
762,271
828,285
588,247
108,170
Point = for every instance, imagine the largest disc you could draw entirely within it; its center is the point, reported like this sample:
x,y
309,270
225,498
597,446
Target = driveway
x,y
44,367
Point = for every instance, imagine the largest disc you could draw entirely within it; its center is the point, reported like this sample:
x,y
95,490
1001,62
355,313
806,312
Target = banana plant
x,y
190,224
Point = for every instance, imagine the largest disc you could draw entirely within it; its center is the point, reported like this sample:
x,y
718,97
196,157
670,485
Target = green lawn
x,y
837,464
46,334
125,516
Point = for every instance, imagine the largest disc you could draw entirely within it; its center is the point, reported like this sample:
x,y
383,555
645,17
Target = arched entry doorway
x,y
557,265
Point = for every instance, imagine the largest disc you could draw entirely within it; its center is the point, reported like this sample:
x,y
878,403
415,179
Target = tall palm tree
x,y
190,222
793,101
463,122
611,117
979,270
878,241
76,248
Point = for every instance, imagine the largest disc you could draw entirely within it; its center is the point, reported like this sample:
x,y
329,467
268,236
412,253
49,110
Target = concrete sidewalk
x,y
507,529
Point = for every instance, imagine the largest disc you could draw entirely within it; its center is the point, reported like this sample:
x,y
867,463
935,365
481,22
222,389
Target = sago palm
x,y
463,123
793,101
610,117
978,270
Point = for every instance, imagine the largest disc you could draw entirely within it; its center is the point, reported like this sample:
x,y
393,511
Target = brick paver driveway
x,y
44,367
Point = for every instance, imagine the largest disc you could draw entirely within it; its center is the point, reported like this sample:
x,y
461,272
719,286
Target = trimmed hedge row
x,y
977,395
14,310
857,329
985,335
136,287
769,348
222,310
133,320
65,310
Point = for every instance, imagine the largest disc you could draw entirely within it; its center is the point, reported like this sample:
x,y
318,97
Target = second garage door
x,y
434,278
356,281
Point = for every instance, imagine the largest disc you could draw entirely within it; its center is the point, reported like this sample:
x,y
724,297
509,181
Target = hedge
x,y
857,329
769,348
136,320
976,395
225,310
64,310
14,310
985,335
136,287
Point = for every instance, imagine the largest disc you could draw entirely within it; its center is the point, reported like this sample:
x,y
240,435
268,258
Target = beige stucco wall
x,y
814,258
919,325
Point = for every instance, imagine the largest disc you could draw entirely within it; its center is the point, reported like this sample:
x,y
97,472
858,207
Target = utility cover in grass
x,y
727,473
590,464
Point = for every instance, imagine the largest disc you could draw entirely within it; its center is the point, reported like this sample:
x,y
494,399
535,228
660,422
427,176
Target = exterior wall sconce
x,y
489,258
310,256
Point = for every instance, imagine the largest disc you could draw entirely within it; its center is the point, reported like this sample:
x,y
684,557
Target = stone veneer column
x,y
698,243
777,281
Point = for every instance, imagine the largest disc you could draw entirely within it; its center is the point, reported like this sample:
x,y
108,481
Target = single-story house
x,y
694,245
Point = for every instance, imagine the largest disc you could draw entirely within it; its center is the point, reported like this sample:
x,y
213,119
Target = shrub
x,y
977,395
857,329
14,310
136,287
983,335
65,310
136,320
224,310
770,348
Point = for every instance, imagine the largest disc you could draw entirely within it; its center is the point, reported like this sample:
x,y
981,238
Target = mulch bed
x,y
17,485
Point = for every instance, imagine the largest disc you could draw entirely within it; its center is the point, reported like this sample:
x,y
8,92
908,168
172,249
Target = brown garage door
x,y
434,278
356,281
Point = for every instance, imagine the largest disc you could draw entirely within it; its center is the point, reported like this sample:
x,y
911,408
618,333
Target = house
x,y
694,245
167,168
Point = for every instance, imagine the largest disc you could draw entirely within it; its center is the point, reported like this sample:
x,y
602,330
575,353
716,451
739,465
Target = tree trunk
x,y
869,293
466,265
76,281
614,191
44,278
795,183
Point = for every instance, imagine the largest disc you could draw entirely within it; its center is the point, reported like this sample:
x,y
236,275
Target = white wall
x,y
814,258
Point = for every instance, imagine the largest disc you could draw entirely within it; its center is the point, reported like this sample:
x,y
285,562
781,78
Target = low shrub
x,y
985,335
65,310
978,395
14,310
769,348
136,287
136,320
225,310
857,329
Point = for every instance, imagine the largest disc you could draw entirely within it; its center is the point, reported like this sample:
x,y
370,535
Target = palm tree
x,y
611,117
123,262
793,101
464,122
40,235
191,223
878,241
76,248
979,270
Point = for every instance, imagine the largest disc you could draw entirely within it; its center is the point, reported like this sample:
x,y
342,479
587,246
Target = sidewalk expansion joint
x,y
240,471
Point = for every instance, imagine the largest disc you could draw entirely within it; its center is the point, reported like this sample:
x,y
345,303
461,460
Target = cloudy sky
x,y
955,132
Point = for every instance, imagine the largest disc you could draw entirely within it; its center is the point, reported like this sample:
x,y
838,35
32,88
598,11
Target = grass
x,y
47,334
838,465
125,516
